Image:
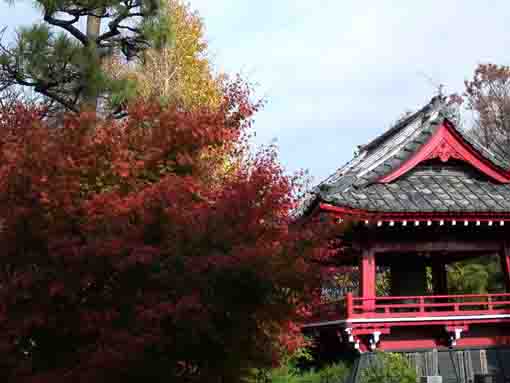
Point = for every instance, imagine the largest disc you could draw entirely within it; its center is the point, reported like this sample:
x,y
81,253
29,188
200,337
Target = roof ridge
x,y
437,102
341,173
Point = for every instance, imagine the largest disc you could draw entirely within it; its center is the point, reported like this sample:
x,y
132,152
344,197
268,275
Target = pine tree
x,y
63,64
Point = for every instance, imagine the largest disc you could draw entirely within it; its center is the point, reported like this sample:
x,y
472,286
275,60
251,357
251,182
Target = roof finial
x,y
437,85
440,89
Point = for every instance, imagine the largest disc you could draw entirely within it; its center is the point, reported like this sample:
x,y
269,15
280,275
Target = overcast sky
x,y
337,73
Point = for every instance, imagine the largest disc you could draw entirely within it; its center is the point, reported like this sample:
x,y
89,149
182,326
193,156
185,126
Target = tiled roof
x,y
430,187
427,188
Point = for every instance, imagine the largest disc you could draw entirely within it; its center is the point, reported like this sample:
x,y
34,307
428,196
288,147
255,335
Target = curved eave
x,y
492,218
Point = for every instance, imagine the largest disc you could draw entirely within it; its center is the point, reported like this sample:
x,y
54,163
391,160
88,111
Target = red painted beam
x,y
428,324
498,340
360,214
407,344
415,344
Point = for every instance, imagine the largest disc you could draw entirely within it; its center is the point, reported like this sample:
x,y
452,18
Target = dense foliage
x,y
123,260
389,368
336,373
290,370
480,275
177,74
62,62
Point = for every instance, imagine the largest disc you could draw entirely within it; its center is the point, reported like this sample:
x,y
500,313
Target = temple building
x,y
419,199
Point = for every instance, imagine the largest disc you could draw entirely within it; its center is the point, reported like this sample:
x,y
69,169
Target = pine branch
x,y
10,76
68,26
66,69
114,25
62,101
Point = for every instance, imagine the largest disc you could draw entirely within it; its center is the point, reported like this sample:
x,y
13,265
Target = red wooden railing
x,y
427,305
351,307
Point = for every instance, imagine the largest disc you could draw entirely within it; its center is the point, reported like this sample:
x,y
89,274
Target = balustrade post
x,y
422,304
349,305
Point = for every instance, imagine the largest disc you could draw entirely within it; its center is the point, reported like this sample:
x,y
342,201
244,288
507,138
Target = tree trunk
x,y
93,30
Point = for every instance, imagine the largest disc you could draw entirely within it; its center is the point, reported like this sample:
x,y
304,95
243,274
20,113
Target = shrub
x,y
335,373
389,368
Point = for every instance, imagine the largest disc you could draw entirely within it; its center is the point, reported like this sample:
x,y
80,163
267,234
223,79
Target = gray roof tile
x,y
430,187
419,191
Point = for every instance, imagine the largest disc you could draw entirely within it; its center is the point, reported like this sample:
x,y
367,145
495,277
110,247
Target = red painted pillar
x,y
367,276
505,265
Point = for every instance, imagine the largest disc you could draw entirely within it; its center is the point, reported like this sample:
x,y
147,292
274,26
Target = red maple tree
x,y
123,260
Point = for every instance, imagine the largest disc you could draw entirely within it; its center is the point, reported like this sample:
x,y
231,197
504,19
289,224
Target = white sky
x,y
336,73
